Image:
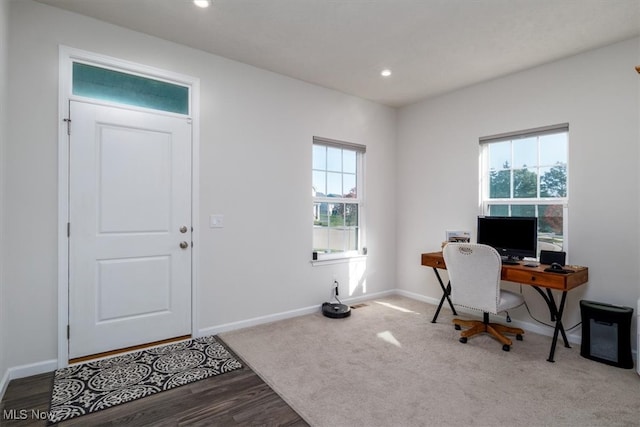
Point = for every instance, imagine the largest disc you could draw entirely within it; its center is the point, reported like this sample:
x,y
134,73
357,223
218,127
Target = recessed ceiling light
x,y
385,73
202,3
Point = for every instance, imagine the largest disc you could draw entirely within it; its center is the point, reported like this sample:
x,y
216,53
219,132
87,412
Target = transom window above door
x,y
90,81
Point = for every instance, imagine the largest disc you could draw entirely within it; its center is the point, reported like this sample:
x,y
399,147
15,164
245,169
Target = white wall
x,y
597,94
255,158
4,33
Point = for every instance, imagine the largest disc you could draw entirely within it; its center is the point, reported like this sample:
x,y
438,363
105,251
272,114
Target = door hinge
x,y
68,331
68,229
68,121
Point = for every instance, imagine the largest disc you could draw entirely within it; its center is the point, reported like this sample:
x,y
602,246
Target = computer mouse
x,y
556,266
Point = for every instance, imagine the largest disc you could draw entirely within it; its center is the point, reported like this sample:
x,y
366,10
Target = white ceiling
x,y
432,46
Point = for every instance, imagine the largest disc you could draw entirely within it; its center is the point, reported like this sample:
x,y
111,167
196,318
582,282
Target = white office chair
x,y
474,273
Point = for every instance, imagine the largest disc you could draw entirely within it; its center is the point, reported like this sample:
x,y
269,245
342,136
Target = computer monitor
x,y
513,237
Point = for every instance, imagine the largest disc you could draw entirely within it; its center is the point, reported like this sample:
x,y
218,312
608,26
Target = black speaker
x,y
549,257
606,333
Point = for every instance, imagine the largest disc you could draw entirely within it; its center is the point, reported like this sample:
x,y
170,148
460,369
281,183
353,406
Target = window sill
x,y
338,260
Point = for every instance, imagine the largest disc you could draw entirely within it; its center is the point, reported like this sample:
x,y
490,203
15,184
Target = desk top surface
x,y
535,276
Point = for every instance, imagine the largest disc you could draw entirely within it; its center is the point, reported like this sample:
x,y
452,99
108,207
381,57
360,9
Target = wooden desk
x,y
535,277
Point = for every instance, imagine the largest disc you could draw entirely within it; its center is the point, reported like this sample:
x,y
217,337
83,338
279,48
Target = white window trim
x,y
348,256
338,260
484,201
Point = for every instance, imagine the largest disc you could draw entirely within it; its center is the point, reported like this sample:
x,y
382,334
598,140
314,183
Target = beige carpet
x,y
387,365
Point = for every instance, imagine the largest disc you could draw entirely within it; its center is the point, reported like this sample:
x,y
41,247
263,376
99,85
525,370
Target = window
x,y
337,198
525,174
114,86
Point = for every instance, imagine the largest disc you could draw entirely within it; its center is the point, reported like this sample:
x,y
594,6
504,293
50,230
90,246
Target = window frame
x,y
360,151
485,169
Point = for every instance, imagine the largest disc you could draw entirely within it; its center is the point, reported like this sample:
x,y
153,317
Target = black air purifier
x,y
606,333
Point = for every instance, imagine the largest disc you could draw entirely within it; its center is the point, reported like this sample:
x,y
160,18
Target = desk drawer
x,y
547,280
433,260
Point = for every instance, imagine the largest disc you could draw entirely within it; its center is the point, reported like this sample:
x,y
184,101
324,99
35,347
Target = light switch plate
x,y
216,221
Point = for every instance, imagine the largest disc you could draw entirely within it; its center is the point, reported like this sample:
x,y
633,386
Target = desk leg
x,y
556,315
446,291
559,312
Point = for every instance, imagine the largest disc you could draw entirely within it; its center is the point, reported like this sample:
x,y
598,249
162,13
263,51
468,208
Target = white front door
x,y
130,228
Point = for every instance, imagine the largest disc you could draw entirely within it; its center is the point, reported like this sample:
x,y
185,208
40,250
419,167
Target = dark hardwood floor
x,y
237,398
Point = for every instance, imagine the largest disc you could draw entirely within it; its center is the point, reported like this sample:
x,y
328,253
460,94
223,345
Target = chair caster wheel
x,y
506,347
519,337
458,327
463,340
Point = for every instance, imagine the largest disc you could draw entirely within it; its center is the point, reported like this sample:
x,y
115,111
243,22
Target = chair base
x,y
496,330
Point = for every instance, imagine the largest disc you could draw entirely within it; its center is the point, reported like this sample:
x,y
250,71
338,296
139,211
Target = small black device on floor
x,y
336,310
606,331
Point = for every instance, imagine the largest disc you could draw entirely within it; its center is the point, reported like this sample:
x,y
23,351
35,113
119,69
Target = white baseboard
x,y
26,371
417,297
226,327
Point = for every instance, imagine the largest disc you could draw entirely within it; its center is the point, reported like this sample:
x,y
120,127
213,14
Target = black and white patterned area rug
x,y
101,384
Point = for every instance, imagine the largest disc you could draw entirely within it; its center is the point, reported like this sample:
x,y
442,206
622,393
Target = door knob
x,y
184,245
183,229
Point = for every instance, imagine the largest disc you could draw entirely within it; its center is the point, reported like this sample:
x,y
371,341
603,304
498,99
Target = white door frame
x,y
66,56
